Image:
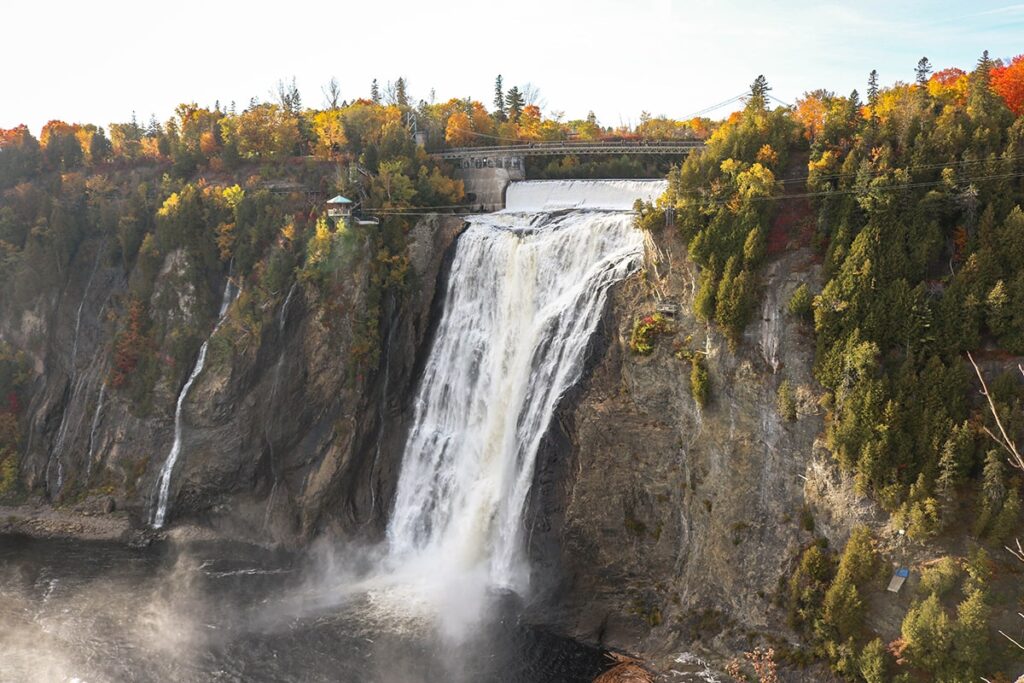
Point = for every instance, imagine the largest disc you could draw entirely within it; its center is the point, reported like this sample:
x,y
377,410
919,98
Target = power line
x,y
877,173
882,188
427,211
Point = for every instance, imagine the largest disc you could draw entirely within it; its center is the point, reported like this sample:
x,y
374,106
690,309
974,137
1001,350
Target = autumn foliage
x,y
130,345
1008,82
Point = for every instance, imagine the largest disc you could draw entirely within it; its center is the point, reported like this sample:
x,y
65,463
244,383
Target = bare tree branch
x,y
1017,552
1003,634
1006,442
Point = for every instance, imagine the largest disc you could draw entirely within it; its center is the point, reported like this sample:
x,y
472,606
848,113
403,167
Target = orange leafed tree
x,y
1008,82
459,131
810,111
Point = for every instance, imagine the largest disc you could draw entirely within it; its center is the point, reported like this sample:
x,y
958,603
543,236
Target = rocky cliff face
x,y
282,439
665,520
655,521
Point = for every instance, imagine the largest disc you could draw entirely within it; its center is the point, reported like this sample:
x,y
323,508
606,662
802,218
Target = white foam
x,y
600,195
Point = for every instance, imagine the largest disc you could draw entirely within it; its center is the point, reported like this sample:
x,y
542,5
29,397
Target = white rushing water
x,y
164,482
526,290
75,384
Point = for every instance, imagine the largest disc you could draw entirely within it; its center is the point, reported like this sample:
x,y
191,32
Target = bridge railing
x,y
560,148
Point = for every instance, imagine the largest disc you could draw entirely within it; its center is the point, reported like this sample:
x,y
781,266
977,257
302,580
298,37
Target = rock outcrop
x,y
282,439
663,519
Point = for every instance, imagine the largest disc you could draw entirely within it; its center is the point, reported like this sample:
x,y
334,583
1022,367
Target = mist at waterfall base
x,y
441,599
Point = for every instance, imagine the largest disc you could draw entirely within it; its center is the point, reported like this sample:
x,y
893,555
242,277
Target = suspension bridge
x,y
562,148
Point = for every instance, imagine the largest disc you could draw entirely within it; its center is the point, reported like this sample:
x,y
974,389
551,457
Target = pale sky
x,y
98,61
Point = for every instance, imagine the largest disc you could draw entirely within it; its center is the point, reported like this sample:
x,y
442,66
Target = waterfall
x,y
75,383
282,318
382,410
771,329
95,425
164,485
526,290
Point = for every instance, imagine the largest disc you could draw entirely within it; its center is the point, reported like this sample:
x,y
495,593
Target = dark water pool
x,y
93,611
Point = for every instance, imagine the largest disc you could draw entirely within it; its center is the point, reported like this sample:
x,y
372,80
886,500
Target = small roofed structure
x,y
898,579
339,207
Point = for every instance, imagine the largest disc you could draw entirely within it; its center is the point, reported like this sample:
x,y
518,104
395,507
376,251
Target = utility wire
x,y
878,188
426,211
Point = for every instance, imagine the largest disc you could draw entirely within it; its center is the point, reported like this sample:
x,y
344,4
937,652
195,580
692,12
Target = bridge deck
x,y
563,148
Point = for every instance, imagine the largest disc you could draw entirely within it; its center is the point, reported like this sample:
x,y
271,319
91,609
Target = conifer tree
x,y
499,100
970,644
874,663
401,96
707,290
758,102
928,634
873,87
375,92
954,464
922,72
515,103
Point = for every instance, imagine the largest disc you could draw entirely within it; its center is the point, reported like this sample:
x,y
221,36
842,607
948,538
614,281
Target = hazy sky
x,y
98,61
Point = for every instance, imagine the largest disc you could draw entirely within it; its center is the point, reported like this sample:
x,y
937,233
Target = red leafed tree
x,y
948,77
130,344
1008,82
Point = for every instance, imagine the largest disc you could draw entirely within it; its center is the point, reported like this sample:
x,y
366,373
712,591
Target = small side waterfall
x,y
75,382
164,482
526,290
95,425
771,330
282,318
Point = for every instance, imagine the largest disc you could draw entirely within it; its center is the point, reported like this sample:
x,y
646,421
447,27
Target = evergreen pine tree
x,y
707,290
499,100
873,87
375,92
970,644
515,103
401,96
922,72
1006,524
928,635
874,662
954,463
758,102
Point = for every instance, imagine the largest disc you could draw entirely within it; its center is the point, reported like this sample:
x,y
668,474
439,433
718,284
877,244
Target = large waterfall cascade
x,y
164,482
525,293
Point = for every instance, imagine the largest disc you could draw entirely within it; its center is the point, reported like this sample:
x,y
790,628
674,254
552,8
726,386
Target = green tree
x,y
786,401
807,586
842,610
928,635
970,641
922,72
100,148
873,88
757,103
515,102
499,101
704,300
874,662
754,248
401,96
700,383
800,304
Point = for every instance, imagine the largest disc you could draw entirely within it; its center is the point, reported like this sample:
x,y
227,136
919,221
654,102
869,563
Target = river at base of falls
x,y
97,611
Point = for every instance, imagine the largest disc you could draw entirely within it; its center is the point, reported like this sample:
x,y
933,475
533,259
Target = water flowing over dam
x,y
525,293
